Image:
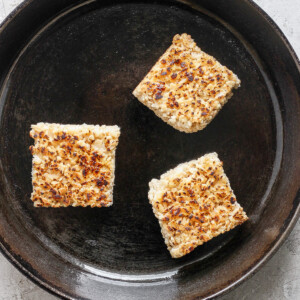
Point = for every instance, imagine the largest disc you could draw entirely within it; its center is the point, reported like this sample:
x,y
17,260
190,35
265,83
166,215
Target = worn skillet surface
x,y
78,62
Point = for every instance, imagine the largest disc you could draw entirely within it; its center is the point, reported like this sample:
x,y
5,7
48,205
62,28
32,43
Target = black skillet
x,y
77,62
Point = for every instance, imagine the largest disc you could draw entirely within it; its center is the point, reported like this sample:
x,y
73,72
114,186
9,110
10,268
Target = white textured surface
x,y
279,279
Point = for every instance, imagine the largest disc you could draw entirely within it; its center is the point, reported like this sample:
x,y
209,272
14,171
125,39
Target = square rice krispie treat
x,y
186,87
194,203
73,165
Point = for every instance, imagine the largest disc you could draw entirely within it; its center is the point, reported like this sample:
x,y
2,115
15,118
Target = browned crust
x,y
194,203
73,165
186,87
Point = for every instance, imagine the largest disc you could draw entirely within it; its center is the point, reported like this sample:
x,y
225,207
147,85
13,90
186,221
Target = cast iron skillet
x,y
77,62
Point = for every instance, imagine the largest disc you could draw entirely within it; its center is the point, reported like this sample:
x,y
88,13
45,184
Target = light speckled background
x,y
279,279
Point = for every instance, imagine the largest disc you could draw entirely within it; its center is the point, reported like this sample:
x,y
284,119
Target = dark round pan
x,y
69,61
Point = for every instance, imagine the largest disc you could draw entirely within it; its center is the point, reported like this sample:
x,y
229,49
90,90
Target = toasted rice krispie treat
x,y
186,87
194,203
73,165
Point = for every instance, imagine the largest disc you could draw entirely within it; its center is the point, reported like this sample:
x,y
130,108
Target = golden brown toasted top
x,y
194,203
186,87
73,164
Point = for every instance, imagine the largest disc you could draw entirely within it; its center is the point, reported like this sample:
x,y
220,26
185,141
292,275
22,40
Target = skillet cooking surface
x,y
81,65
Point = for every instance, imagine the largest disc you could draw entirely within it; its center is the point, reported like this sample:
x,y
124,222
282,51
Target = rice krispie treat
x,y
73,165
194,203
186,87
